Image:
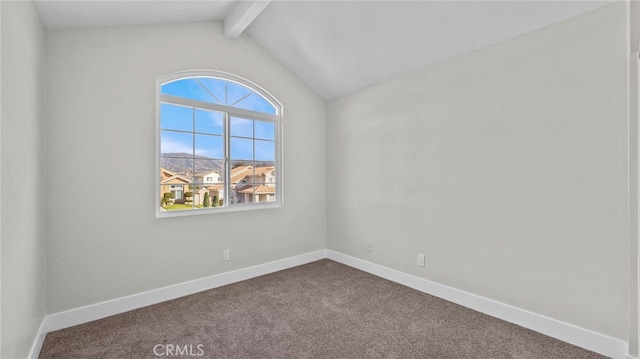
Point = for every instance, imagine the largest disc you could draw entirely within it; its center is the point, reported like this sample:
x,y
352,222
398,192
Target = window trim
x,y
229,112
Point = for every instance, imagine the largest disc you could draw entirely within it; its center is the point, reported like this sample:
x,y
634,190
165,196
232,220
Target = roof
x,y
175,180
259,189
215,187
203,174
261,171
169,177
240,172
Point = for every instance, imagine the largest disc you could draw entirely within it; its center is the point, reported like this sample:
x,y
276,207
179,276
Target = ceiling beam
x,y
242,16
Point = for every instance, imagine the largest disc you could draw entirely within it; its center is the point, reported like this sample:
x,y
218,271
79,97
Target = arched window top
x,y
220,89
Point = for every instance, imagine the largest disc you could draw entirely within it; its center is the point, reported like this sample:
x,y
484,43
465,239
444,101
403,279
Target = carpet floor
x,y
319,310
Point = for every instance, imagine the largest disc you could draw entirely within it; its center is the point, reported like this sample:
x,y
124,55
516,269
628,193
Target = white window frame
x,y
229,112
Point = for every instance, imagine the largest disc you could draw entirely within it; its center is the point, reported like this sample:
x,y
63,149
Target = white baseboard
x,y
581,337
116,306
38,341
596,342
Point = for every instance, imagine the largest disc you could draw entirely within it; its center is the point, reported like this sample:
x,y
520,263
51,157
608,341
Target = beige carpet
x,y
319,310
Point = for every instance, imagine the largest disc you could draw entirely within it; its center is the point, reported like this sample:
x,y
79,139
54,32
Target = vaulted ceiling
x,y
338,47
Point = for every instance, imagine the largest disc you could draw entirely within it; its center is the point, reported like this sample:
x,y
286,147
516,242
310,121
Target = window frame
x,y
229,112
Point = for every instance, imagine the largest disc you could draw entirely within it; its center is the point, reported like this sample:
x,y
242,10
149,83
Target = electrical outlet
x,y
421,260
226,255
369,246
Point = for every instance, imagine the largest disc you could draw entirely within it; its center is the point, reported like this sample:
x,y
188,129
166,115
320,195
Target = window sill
x,y
161,213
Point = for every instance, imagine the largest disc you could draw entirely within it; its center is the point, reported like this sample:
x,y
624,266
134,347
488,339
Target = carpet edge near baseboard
x,y
587,339
569,333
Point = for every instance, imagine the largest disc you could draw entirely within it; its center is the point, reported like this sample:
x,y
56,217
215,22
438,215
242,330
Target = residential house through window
x,y
218,145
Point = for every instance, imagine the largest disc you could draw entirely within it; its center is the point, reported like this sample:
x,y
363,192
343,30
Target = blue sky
x,y
221,92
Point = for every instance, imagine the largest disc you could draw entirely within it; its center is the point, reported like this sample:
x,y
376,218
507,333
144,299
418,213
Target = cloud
x,y
171,145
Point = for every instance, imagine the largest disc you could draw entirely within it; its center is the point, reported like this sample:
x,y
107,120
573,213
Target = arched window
x,y
218,144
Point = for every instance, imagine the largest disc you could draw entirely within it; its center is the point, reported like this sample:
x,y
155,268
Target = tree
x,y
216,201
207,201
167,198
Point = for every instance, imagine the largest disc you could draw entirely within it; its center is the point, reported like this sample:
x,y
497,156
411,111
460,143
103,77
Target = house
x,y
212,182
517,123
254,184
249,184
256,193
171,182
209,177
179,184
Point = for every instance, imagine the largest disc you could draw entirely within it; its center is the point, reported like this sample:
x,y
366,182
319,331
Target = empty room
x,y
319,179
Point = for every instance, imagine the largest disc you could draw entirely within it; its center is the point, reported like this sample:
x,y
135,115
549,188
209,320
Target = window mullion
x,y
227,160
253,155
193,166
249,114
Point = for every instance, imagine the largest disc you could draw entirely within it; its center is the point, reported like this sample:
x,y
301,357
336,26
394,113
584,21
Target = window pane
x,y
219,91
210,179
194,195
211,122
253,182
210,146
244,194
176,143
215,87
207,195
188,88
236,93
209,171
240,171
241,127
172,198
264,173
187,196
241,175
266,193
257,103
264,150
175,178
241,149
174,117
265,130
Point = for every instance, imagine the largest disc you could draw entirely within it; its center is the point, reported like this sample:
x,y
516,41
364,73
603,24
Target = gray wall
x,y
507,167
23,178
104,239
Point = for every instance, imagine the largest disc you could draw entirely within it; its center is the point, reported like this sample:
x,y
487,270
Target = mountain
x,y
182,163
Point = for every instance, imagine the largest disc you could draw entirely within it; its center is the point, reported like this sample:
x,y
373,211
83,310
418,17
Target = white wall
x,y
521,149
23,178
106,243
634,44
